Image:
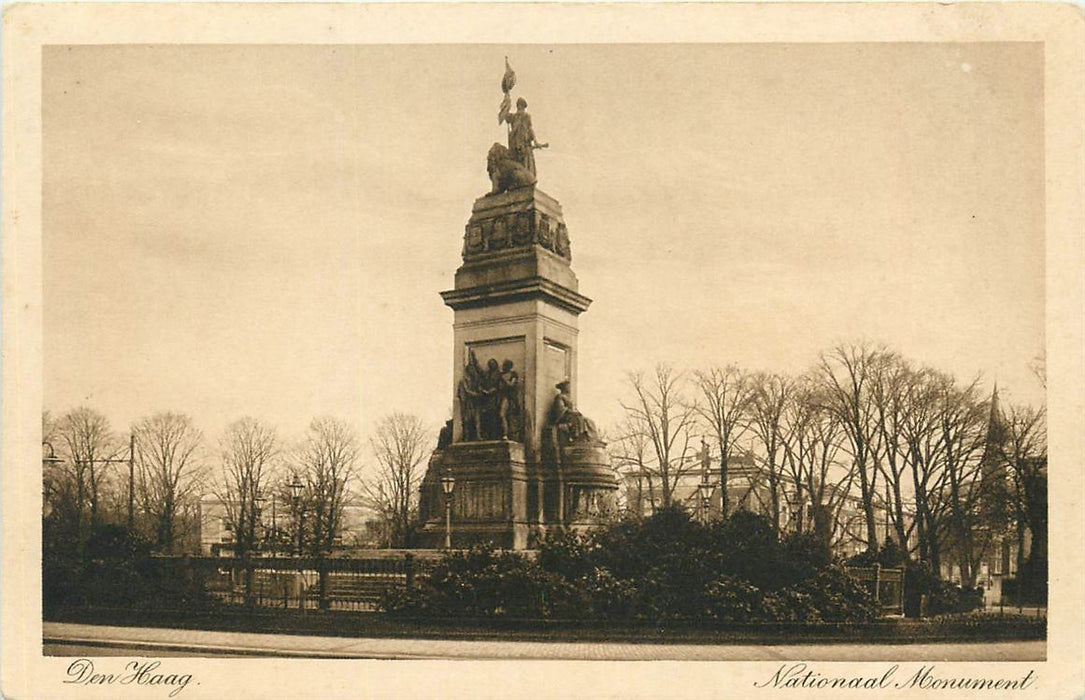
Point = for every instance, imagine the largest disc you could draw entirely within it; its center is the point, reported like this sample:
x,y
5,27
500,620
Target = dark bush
x,y
485,582
949,598
1025,590
749,549
568,553
606,595
631,548
115,569
790,605
664,568
889,556
919,581
838,597
403,601
800,556
666,559
730,599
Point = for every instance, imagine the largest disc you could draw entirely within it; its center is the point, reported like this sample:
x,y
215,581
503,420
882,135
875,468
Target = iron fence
x,y
886,586
302,583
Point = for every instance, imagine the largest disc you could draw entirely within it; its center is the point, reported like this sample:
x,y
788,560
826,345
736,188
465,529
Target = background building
x,y
277,532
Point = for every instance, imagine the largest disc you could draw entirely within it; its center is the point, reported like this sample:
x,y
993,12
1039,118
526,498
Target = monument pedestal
x,y
489,502
516,304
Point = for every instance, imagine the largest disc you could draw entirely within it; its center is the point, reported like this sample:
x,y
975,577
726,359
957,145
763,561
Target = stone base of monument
x,y
501,499
489,500
591,489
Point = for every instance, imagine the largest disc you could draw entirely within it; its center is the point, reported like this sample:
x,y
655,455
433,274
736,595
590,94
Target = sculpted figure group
x,y
513,167
490,400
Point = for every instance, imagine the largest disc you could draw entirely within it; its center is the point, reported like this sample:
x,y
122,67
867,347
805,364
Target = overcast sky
x,y
264,230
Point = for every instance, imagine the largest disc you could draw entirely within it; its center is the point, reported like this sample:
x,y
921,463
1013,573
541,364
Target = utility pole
x,y
887,507
131,480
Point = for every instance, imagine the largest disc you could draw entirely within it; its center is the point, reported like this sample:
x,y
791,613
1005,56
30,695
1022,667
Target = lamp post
x,y
448,483
274,526
258,507
48,458
704,491
295,495
295,491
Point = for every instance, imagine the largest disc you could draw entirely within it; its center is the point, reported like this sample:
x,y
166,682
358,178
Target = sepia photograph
x,y
545,349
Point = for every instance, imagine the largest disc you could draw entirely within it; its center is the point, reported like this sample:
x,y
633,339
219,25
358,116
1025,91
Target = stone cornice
x,y
517,290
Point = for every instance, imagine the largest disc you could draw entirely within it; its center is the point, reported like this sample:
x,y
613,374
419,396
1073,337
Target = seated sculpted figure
x,y
570,424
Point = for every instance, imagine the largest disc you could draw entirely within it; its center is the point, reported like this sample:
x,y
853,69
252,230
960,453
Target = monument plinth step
x,y
521,199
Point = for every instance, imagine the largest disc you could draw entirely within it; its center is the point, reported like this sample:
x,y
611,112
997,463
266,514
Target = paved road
x,y
64,639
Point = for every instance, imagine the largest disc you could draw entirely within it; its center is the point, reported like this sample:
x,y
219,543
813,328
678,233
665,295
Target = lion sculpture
x,y
505,172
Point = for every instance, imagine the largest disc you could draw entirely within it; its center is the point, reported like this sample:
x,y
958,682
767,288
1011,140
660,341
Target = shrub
x,y
407,602
790,605
919,580
631,548
597,595
800,556
488,583
115,569
889,556
1025,589
749,549
838,597
729,599
666,560
608,596
568,553
949,598
664,568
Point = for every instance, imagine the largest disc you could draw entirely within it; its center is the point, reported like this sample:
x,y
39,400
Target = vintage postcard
x,y
500,350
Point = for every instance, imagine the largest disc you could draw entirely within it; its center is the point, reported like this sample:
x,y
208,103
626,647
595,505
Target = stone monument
x,y
523,459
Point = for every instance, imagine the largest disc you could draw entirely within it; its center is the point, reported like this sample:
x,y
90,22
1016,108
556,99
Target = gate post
x,y
878,586
322,573
409,563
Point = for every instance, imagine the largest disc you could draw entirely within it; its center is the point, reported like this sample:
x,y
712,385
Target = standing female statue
x,y
522,143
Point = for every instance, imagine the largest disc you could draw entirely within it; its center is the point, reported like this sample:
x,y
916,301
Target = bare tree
x,y
250,451
811,439
771,395
848,373
1024,450
891,397
629,451
87,441
169,470
660,412
924,450
400,445
327,461
963,422
726,395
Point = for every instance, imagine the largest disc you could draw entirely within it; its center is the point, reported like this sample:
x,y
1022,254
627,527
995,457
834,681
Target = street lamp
x,y
259,502
295,491
704,490
448,483
48,458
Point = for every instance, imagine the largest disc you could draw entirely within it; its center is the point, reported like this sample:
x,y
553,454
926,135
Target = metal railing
x,y
886,586
301,583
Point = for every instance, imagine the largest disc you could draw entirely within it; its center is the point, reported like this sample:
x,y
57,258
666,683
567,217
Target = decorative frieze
x,y
516,229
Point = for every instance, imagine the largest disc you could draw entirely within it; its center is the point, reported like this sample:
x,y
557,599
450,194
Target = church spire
x,y
996,431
